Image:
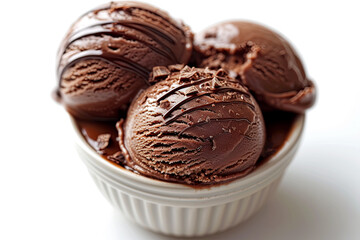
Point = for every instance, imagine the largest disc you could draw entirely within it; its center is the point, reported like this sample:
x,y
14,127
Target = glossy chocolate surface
x,y
107,55
261,59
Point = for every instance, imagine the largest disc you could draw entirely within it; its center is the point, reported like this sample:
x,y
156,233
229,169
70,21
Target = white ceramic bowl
x,y
180,210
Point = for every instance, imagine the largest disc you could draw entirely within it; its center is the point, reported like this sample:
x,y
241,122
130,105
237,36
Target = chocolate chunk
x,y
103,140
215,83
221,73
176,67
117,158
159,73
191,90
186,73
165,104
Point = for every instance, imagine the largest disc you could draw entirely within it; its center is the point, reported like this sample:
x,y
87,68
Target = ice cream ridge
x,y
261,59
197,126
107,55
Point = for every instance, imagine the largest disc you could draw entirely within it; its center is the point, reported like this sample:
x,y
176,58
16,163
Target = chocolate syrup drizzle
x,y
98,29
279,126
166,40
172,119
111,58
198,92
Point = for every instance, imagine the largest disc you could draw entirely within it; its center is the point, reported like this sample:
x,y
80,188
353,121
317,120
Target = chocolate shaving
x,y
215,83
165,104
103,141
191,90
186,73
186,69
175,67
117,158
221,73
159,73
205,86
208,71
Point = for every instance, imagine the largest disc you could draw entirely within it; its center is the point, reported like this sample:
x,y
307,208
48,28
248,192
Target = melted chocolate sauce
x,y
167,41
278,128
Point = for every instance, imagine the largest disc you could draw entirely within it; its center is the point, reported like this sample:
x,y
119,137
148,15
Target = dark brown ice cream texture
x,y
197,126
260,58
108,53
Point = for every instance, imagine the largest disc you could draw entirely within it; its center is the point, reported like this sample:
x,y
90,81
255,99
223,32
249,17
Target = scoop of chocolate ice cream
x,y
263,60
197,126
107,55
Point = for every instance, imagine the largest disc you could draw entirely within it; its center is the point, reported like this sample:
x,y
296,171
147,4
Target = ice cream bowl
x,y
185,211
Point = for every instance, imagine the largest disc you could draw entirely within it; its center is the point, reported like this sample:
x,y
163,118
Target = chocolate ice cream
x,y
196,126
107,55
200,126
260,58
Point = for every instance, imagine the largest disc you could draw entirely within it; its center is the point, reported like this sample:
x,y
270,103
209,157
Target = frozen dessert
x,y
178,128
107,55
261,59
123,76
196,126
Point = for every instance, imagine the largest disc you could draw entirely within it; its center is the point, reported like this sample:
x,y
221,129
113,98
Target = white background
x,y
46,192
